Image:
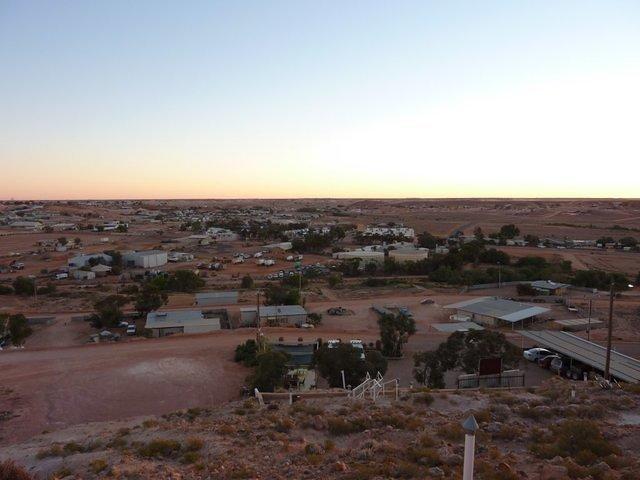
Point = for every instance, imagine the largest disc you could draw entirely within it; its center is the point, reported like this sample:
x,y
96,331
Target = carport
x,y
622,367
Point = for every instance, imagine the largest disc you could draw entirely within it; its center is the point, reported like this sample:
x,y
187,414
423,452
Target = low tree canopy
x,y
394,333
269,370
332,361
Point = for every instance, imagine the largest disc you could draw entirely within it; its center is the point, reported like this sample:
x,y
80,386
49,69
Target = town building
x,y
495,311
80,261
216,298
273,315
145,259
171,322
547,287
385,230
404,255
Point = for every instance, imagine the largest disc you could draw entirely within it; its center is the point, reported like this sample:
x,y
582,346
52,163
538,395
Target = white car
x,y
535,354
333,343
131,329
358,345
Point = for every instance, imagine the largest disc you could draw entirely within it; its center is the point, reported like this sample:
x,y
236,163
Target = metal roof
x,y
300,355
506,310
457,327
177,318
231,296
622,366
548,285
281,310
574,322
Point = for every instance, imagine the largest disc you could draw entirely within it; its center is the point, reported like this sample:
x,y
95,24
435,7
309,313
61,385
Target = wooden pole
x,y
607,365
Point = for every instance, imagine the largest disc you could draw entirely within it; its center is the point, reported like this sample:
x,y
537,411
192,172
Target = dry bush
x,y
342,426
284,425
98,465
160,448
9,470
452,431
423,398
581,440
306,408
507,432
193,444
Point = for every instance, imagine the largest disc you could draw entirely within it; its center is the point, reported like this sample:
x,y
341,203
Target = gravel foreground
x,y
526,434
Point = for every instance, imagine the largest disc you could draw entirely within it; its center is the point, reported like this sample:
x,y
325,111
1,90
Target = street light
x,y
607,365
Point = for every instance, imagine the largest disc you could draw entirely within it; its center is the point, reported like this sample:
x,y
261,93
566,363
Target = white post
x,y
471,426
344,383
397,389
469,451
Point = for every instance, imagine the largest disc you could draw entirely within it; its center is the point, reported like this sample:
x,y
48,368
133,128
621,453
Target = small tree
x,y
149,299
24,286
394,333
332,361
246,353
335,279
247,282
18,329
509,231
281,295
108,311
269,372
526,290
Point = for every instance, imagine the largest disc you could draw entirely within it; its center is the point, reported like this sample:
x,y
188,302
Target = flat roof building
x,y
273,315
216,298
548,287
495,311
80,261
180,321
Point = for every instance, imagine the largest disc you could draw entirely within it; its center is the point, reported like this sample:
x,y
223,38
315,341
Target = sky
x,y
290,99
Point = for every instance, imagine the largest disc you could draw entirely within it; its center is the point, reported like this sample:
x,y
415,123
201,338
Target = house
x,y
386,230
222,234
495,311
26,225
363,256
80,261
409,254
180,257
162,324
547,287
216,298
273,315
145,259
300,376
80,274
101,270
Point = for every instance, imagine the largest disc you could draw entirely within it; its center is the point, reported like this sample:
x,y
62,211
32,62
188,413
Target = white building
x,y
145,259
222,234
409,254
84,274
362,255
383,230
180,321
273,315
25,225
180,257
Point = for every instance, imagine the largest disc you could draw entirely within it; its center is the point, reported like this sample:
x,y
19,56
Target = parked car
x,y
545,362
123,324
569,368
534,354
131,329
427,301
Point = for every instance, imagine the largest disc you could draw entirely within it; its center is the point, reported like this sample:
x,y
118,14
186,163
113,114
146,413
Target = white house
x,y
80,261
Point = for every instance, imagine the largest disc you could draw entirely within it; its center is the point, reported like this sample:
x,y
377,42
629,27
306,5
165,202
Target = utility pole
x,y
607,364
589,325
499,275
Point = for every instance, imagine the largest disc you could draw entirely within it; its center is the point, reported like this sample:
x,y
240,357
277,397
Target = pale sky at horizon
x,y
207,99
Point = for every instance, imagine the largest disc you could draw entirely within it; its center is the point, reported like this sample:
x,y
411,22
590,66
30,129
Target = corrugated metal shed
x,y
216,298
457,327
506,310
622,366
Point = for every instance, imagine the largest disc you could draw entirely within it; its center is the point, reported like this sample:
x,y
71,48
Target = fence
x,y
508,379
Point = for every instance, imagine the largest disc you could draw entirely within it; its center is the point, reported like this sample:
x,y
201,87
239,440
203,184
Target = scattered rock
x,y
553,472
436,472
